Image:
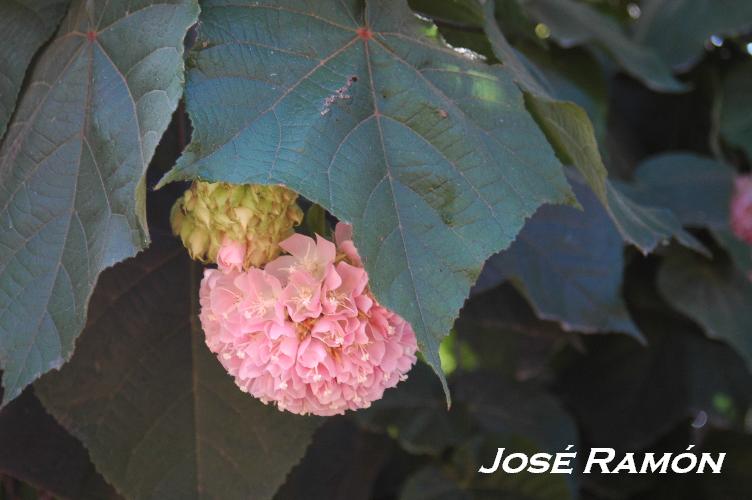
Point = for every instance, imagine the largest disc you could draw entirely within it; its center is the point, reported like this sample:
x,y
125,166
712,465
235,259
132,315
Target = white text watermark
x,y
605,461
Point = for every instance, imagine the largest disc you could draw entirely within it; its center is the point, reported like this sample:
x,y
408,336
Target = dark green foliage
x,y
153,406
36,449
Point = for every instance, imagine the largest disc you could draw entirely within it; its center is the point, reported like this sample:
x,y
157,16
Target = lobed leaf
x,y
361,108
72,170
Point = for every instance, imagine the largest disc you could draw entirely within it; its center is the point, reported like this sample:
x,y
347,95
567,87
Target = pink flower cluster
x,y
305,331
741,209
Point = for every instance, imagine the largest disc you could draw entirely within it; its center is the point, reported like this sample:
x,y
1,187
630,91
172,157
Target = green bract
x,y
255,215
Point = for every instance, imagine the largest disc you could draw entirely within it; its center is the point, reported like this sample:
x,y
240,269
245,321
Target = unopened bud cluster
x,y
252,216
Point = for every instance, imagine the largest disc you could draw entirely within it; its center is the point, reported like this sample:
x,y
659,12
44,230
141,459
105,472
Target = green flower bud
x,y
257,215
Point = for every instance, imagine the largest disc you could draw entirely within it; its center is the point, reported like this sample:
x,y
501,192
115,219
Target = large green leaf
x,y
569,264
736,100
72,170
574,23
363,110
714,294
25,27
679,29
158,414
